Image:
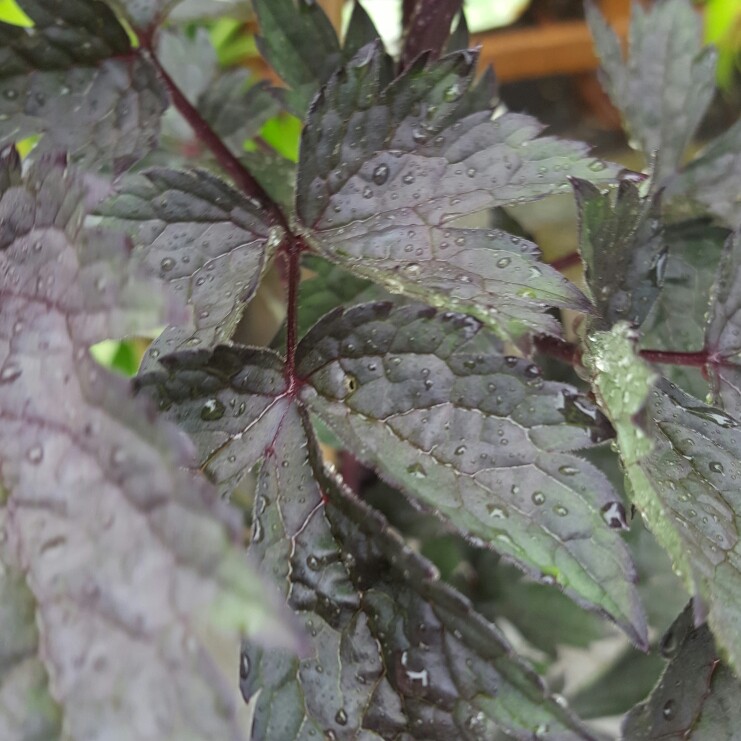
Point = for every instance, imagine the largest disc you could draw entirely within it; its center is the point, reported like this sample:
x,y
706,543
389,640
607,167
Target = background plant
x,y
416,344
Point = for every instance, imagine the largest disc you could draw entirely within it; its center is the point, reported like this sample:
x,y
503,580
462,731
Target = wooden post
x,y
333,9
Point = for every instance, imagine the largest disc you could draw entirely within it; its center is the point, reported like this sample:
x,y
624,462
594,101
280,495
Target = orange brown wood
x,y
559,48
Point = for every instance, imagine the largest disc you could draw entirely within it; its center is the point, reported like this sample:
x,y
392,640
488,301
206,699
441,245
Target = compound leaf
x,y
723,336
394,653
622,244
711,182
666,83
75,78
386,166
428,400
203,237
367,603
682,465
131,565
696,696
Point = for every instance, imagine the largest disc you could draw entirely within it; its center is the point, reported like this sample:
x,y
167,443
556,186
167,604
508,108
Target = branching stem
x,y
203,131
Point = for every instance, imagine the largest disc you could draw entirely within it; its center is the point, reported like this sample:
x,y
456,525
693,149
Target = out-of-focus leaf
x,y
429,402
622,244
460,37
236,111
696,697
140,592
723,337
545,617
329,288
678,318
206,239
283,134
441,670
620,686
75,79
276,174
386,167
360,31
229,101
666,83
682,459
428,28
194,10
143,15
24,684
712,182
299,42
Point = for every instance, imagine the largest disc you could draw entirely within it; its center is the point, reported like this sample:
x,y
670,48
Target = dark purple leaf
x,y
131,565
712,182
624,249
360,676
666,83
204,238
231,401
678,318
394,653
696,697
387,167
428,401
427,28
723,334
75,78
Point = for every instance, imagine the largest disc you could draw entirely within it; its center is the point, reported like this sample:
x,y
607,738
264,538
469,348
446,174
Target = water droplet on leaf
x,y
212,410
381,174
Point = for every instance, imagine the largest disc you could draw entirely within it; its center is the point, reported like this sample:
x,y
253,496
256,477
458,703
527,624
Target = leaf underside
x,y
683,468
388,165
126,563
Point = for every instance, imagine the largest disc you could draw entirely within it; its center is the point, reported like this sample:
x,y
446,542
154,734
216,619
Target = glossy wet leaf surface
x,y
352,595
624,249
387,167
204,238
665,85
429,401
696,696
682,463
74,79
394,653
131,567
